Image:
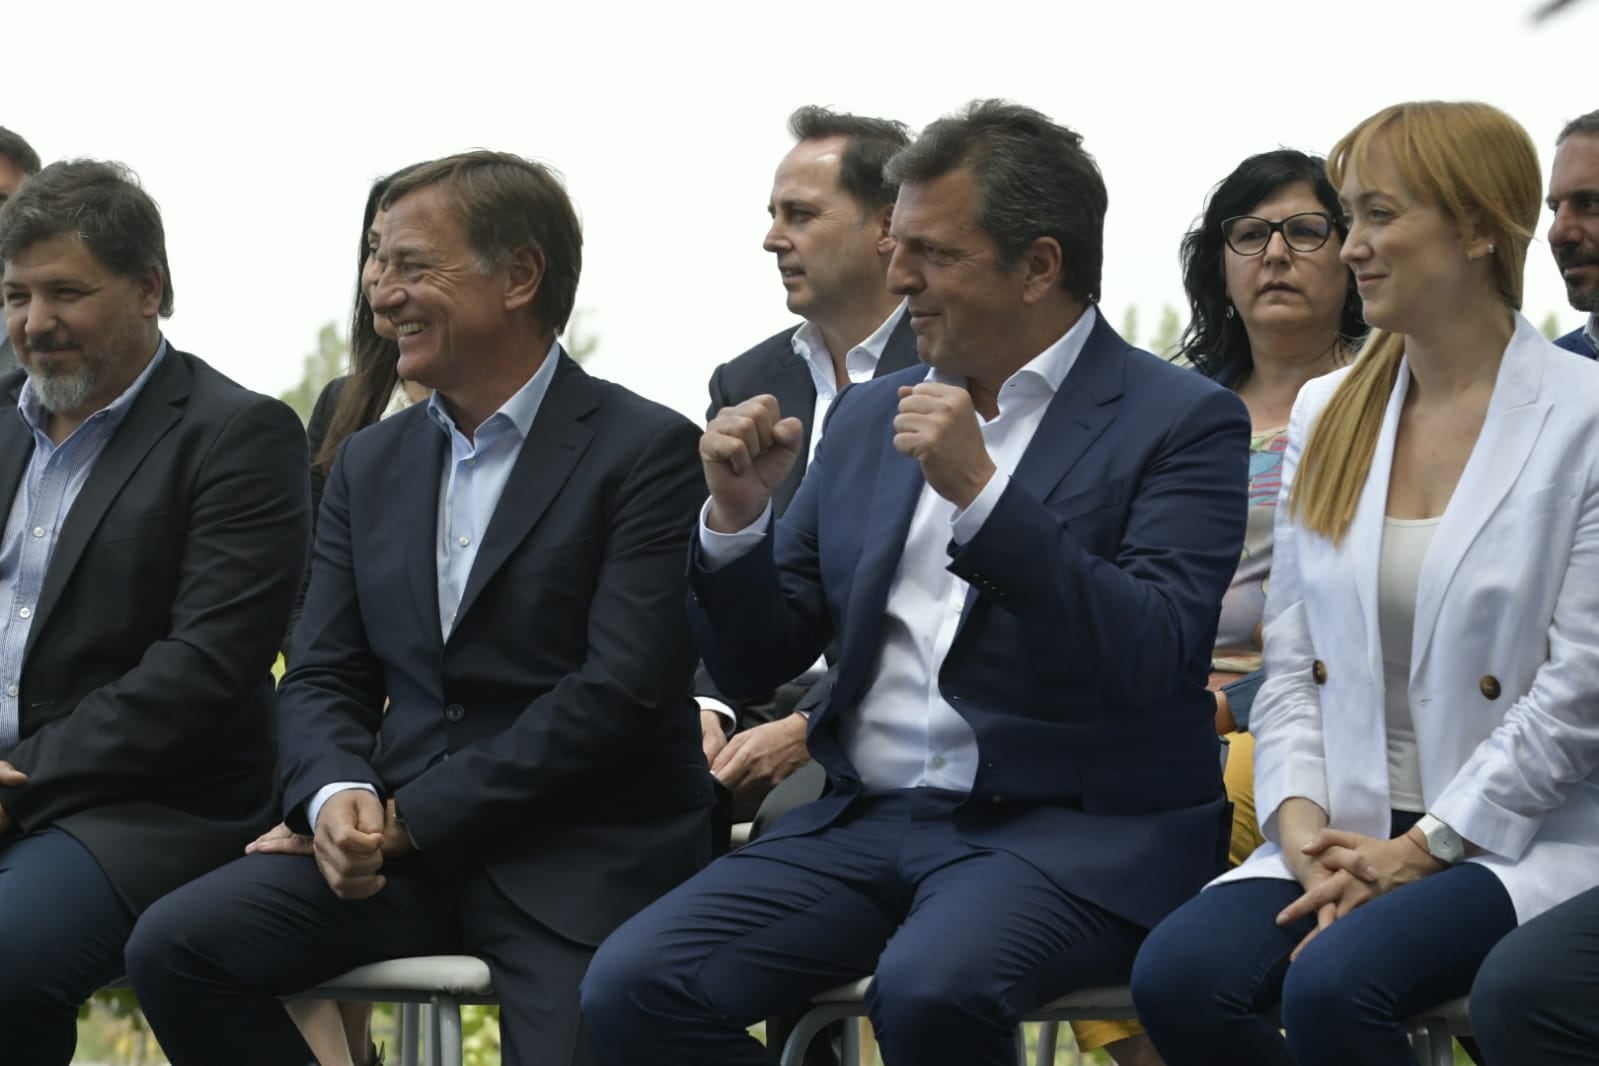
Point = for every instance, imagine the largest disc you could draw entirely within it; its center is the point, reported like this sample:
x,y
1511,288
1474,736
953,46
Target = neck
x,y
1462,351
1046,326
849,328
494,381
59,425
1281,363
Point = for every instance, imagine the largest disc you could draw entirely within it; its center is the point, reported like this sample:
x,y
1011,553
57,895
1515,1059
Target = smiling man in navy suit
x,y
502,569
1021,549
1574,233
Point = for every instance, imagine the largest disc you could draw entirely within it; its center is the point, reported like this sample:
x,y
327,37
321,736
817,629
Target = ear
x,y
1041,269
523,276
1478,244
152,285
885,222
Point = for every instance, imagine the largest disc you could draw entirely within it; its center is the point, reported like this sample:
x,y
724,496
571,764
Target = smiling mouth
x,y
409,329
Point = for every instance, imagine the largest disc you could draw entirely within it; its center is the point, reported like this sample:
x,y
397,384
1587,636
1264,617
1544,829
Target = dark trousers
x,y
963,941
1537,996
1209,976
209,960
62,927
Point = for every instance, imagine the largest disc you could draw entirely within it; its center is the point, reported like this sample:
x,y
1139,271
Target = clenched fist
x,y
747,450
937,426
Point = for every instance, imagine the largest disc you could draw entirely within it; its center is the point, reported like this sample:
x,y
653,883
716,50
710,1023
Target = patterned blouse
x,y
1244,605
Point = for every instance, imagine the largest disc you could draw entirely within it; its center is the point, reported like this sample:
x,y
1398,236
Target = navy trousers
x,y
1209,977
62,927
1537,996
963,941
209,960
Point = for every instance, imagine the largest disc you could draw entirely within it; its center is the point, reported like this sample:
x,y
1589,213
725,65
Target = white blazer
x,y
1504,674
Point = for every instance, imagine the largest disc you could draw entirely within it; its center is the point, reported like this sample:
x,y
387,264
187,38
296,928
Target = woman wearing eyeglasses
x,y
1270,308
1428,731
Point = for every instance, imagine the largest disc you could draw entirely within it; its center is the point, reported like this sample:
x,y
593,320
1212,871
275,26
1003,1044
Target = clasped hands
x,y
355,833
748,450
1340,871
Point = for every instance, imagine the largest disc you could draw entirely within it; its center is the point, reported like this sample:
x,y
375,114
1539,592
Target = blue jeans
x,y
1208,979
62,926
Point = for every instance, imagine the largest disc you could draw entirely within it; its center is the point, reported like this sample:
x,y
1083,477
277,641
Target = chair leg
x,y
849,1053
410,1034
1048,1037
451,1048
811,1022
1021,1045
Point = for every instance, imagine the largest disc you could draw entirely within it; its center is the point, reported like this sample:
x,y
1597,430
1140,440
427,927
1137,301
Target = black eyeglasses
x,y
1248,235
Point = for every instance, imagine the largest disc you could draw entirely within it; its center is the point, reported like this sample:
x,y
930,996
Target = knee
x,y
154,944
1172,976
1510,990
1328,991
930,992
623,985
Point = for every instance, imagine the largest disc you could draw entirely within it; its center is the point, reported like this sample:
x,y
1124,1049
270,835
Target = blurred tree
x,y
1168,334
1129,330
1550,327
331,358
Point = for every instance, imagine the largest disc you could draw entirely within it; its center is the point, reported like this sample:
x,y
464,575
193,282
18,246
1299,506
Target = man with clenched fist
x,y
1021,549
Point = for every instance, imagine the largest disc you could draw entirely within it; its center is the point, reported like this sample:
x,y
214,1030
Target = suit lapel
x,y
154,411
791,383
1085,405
423,452
897,488
555,442
1515,418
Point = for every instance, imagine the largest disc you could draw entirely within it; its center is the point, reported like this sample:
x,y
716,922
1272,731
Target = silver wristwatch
x,y
1443,843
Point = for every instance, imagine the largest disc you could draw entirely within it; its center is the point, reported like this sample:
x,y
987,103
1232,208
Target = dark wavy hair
x,y
373,361
1214,343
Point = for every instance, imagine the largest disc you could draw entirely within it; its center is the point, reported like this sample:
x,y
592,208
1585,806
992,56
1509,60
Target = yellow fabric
x,y
1239,778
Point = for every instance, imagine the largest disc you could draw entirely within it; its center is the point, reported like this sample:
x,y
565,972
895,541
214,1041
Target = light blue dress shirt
x,y
473,480
55,476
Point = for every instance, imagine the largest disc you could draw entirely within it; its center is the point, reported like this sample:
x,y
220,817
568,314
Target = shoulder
x,y
1575,341
755,363
617,409
215,398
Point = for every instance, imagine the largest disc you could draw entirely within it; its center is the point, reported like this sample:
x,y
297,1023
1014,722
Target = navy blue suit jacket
x,y
550,740
1577,341
1084,649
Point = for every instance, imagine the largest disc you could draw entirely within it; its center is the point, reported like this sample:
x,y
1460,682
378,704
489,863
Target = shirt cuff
x,y
719,549
965,524
708,704
327,792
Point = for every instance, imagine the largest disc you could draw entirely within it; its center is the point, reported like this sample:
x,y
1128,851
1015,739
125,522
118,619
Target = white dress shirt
x,y
860,364
903,733
470,487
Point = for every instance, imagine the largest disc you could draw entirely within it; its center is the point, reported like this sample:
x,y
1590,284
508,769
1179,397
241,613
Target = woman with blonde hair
x,y
1428,731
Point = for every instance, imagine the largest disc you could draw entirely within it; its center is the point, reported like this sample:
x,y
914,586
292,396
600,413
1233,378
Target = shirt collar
x,y
1049,367
518,411
810,346
1590,329
36,418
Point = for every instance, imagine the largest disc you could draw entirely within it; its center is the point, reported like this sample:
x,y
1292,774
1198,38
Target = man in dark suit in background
x,y
156,532
1021,553
1574,233
504,565
18,160
831,206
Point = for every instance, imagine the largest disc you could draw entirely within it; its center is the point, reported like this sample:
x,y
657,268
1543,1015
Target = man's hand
x,y
10,777
396,837
763,755
747,450
713,735
279,840
348,843
937,426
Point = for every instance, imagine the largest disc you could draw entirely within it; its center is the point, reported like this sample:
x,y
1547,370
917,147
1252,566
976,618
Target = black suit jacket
x,y
550,740
773,366
147,696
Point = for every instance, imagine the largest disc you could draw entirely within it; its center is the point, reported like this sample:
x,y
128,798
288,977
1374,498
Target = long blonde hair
x,y
1475,164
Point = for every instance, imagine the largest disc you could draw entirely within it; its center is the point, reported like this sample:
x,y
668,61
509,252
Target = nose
x,y
1276,248
1564,228
776,239
1353,249
39,318
387,293
903,278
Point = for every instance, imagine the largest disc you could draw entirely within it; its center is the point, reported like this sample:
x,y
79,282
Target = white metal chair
x,y
439,983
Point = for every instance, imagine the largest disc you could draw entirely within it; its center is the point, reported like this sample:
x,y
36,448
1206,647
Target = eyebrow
x,y
1581,190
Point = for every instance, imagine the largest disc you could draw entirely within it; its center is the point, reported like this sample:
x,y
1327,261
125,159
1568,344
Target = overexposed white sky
x,y
258,128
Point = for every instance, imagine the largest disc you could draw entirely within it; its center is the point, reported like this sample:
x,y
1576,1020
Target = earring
x,y
1229,310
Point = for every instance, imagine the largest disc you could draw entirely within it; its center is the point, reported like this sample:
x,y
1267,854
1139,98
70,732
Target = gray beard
x,y
66,392
1586,300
